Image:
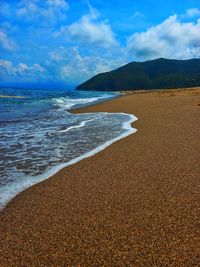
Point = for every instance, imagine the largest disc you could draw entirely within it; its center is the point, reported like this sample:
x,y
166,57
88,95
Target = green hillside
x,y
156,74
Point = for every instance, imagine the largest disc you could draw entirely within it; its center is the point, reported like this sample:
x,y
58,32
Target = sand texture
x,y
137,203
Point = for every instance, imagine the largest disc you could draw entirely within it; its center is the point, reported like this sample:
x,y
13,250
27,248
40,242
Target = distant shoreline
x,y
175,90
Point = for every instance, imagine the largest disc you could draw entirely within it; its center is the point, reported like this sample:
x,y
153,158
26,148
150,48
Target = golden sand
x,y
137,203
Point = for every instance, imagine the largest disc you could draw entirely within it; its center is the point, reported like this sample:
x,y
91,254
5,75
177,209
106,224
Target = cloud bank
x,y
170,39
27,73
90,30
50,9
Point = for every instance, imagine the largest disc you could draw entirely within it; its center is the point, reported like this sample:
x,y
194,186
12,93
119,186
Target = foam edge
x,y
30,181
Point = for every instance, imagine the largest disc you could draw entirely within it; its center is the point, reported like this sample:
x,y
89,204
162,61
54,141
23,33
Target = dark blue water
x,y
34,102
38,134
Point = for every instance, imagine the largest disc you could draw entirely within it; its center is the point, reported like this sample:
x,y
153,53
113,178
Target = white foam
x,y
11,190
82,124
67,103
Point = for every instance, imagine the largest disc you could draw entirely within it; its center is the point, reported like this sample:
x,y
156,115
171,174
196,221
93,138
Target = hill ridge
x,y
160,73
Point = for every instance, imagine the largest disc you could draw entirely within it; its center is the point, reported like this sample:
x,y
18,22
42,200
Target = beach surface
x,y
136,203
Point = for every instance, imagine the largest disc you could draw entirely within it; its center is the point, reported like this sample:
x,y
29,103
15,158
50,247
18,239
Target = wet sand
x,y
137,203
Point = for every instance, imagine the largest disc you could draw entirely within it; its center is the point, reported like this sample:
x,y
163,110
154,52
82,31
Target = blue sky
x,y
69,41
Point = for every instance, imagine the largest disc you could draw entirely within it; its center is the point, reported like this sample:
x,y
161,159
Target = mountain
x,y
155,74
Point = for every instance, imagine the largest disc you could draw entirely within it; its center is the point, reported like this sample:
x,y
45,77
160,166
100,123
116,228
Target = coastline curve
x,y
17,188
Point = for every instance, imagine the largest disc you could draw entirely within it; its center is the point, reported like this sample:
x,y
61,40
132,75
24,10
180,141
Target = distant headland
x,y
155,74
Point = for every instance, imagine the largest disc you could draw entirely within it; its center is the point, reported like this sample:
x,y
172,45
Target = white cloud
x,y
38,68
58,55
94,13
6,42
137,14
89,30
21,71
192,12
6,67
170,39
51,9
86,67
58,4
70,65
22,68
27,8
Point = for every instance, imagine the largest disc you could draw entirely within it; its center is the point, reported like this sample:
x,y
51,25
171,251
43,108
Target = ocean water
x,y
39,135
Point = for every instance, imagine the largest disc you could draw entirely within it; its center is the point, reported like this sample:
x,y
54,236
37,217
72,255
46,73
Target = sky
x,y
69,41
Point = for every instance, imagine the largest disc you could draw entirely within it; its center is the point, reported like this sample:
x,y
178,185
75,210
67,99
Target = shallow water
x,y
39,135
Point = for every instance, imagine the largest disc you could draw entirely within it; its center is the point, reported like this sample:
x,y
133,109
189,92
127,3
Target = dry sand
x,y
137,203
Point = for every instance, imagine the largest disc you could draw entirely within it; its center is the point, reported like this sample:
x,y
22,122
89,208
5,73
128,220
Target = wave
x,y
69,103
82,124
11,190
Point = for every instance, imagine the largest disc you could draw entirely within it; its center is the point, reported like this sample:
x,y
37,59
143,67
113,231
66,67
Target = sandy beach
x,y
137,203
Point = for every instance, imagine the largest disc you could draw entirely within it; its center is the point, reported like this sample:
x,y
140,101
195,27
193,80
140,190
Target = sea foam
x,y
12,189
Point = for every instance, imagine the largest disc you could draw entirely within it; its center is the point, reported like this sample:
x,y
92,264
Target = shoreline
x,y
31,181
134,203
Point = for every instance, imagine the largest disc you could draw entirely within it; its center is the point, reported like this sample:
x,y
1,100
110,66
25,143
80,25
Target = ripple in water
x,y
34,148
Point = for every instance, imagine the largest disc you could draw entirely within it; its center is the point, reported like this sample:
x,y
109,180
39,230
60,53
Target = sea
x,y
39,135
